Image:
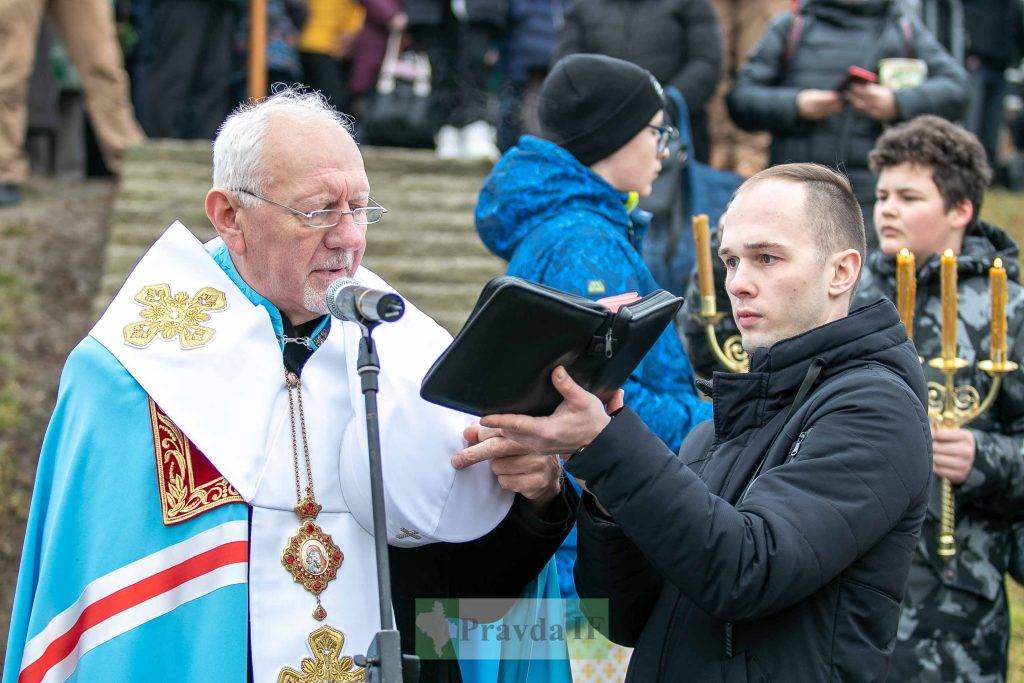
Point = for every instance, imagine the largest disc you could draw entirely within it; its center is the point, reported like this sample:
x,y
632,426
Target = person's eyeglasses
x,y
665,135
328,218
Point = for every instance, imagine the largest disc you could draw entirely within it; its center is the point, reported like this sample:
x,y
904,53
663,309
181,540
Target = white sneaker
x,y
448,143
478,142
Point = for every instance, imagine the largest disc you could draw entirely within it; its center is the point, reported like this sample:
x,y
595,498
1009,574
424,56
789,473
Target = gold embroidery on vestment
x,y
173,316
182,496
327,664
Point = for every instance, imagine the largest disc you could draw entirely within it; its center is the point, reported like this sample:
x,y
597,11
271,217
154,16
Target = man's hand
x,y
536,477
873,100
953,452
817,105
577,420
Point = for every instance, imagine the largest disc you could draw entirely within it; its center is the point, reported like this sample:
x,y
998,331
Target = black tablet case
x,y
501,361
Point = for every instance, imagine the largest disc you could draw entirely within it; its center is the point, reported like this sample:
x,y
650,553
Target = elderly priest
x,y
201,508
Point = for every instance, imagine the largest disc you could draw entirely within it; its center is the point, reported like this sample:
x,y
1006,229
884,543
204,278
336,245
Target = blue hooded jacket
x,y
560,224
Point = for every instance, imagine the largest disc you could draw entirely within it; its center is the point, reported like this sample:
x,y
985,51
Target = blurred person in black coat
x,y
188,67
676,40
458,36
995,41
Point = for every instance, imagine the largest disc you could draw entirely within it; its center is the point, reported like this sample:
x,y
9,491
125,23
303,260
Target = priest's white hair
x,y
238,149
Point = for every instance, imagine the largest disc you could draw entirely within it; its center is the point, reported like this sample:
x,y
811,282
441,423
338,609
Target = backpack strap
x,y
799,22
793,35
907,28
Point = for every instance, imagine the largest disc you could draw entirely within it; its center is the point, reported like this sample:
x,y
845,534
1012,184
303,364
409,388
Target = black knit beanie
x,y
591,105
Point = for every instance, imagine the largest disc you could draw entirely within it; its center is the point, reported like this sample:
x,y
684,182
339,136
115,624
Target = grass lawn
x,y
51,252
1007,210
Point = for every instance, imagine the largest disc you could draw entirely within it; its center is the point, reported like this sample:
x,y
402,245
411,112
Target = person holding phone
x,y
790,85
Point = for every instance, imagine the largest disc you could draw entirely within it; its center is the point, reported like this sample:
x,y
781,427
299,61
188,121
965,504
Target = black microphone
x,y
349,300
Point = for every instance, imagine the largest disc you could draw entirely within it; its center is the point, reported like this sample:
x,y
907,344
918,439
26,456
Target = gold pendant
x,y
311,556
327,665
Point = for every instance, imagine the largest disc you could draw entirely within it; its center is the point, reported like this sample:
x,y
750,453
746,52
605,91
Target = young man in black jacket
x,y
777,545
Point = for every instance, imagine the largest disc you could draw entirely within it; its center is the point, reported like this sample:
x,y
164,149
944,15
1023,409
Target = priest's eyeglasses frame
x,y
328,218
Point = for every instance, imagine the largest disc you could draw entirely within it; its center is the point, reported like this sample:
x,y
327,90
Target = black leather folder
x,y
501,361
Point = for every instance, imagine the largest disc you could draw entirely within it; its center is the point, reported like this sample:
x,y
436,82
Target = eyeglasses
x,y
328,218
665,135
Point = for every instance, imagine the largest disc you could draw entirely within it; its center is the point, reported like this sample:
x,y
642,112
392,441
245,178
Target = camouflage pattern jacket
x,y
955,624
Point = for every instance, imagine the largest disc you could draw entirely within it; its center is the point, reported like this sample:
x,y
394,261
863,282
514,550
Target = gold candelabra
x,y
730,354
950,405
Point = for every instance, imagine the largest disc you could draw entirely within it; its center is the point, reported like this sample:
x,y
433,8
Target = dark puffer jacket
x,y
838,34
676,40
801,580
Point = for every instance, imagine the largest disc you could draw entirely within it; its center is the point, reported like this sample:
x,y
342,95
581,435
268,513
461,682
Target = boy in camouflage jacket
x,y
932,174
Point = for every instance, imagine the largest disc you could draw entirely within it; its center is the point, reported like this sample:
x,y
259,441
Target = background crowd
x,y
467,72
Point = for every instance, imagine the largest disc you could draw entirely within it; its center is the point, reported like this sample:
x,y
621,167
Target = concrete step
x,y
411,269
158,214
411,221
431,199
419,162
141,235
447,183
171,151
424,243
151,182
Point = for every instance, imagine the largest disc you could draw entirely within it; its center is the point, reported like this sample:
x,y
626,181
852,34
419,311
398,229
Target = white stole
x,y
228,397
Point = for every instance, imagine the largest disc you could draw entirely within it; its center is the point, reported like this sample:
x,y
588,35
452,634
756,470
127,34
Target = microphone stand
x,y
384,662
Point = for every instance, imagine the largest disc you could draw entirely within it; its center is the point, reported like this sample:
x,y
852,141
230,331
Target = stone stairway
x,y
426,246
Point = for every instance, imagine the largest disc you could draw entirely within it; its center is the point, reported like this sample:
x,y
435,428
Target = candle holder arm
x,y
730,354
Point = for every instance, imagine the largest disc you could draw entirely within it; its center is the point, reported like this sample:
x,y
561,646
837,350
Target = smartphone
x,y
856,74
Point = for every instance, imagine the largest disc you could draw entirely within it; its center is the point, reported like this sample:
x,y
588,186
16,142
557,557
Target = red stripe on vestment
x,y
131,596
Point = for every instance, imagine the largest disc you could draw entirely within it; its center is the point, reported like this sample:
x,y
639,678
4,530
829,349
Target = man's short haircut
x,y
957,160
831,208
238,148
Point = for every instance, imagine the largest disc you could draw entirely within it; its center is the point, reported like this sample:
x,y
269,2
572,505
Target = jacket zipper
x,y
794,449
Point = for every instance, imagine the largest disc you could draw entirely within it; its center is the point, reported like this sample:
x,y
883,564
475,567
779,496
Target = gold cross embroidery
x,y
174,316
327,665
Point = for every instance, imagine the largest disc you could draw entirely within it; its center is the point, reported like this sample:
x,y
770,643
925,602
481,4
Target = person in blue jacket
x,y
558,209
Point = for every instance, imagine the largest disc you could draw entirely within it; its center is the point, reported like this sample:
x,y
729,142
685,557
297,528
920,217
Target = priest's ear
x,y
222,209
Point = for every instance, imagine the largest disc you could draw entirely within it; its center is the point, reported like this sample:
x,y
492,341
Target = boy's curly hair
x,y
959,166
